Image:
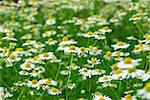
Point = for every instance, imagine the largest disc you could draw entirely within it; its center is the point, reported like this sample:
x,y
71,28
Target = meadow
x,y
74,50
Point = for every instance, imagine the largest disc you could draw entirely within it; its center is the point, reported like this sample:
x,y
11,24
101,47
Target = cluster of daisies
x,y
73,50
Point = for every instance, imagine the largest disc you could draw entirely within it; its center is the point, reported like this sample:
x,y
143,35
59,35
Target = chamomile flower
x,y
145,92
94,61
98,96
51,41
27,66
129,97
26,36
54,91
133,72
88,34
71,49
49,33
28,42
120,45
128,63
13,57
104,78
105,29
33,83
46,56
85,72
51,21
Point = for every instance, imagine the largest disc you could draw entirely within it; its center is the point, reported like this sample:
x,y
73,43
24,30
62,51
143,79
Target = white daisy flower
x,y
120,45
27,66
104,79
46,56
54,91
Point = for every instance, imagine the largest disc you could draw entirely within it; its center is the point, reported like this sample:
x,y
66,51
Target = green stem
x,y
69,76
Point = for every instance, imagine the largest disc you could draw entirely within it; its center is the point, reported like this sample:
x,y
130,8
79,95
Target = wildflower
x,y
120,45
27,66
105,78
46,56
54,91
145,92
98,96
94,61
128,63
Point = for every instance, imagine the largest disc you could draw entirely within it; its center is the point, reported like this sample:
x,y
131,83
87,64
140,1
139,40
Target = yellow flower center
x,y
50,39
48,82
106,78
134,16
128,60
115,67
128,97
117,53
94,61
118,71
27,64
12,56
72,47
65,38
90,33
34,81
82,48
131,70
105,28
19,49
45,55
53,89
108,53
120,43
147,86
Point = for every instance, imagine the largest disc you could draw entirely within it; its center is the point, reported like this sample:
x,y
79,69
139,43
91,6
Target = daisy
x,y
140,47
28,42
97,71
73,66
120,45
71,49
13,57
48,82
26,36
51,41
104,79
48,33
54,91
128,63
82,51
66,41
105,29
108,55
94,61
134,17
32,83
145,92
50,21
85,72
71,86
55,59
129,97
46,56
134,73
98,96
88,34
118,75
27,66
23,72
94,50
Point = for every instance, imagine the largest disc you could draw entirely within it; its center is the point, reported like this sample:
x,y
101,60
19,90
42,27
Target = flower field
x,y
74,50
